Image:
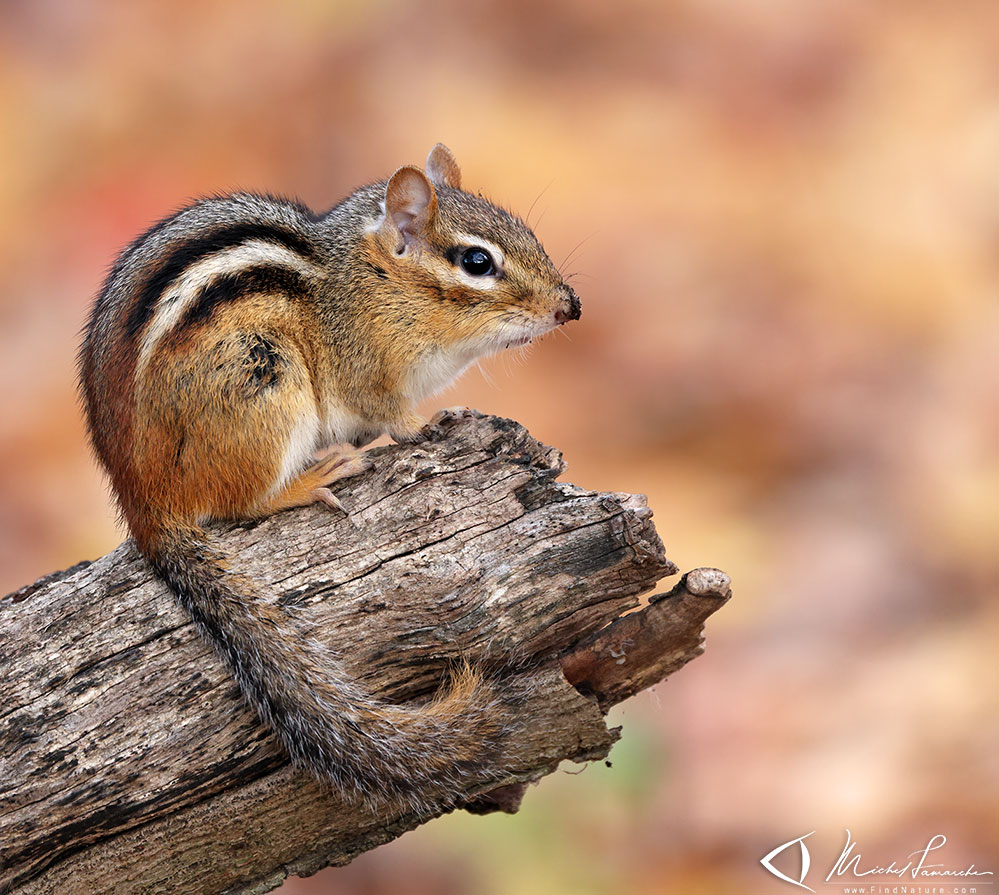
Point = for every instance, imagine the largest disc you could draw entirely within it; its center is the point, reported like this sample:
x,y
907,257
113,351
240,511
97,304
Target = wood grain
x,y
128,762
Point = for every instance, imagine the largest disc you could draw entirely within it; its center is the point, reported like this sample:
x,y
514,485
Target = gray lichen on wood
x,y
128,762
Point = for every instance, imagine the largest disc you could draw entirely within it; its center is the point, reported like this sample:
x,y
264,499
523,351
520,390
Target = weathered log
x,y
128,762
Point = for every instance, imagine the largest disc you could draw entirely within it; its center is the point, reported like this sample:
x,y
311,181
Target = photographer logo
x,y
806,862
921,872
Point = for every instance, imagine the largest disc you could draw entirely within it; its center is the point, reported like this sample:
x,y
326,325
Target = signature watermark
x,y
921,872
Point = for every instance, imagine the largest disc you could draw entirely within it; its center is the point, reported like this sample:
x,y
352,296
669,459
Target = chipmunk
x,y
240,339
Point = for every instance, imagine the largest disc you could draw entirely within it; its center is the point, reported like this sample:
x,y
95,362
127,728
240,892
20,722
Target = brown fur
x,y
233,344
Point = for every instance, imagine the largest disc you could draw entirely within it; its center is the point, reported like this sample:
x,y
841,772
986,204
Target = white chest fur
x,y
437,369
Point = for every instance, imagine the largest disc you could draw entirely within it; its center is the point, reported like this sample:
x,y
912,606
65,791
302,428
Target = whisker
x,y
485,374
576,248
535,202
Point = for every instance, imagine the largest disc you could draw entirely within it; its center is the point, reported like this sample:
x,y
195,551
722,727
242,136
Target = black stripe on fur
x,y
190,252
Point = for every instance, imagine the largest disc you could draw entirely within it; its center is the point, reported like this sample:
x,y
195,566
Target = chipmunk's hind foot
x,y
312,484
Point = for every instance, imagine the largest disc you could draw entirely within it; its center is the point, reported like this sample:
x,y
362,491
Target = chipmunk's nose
x,y
570,311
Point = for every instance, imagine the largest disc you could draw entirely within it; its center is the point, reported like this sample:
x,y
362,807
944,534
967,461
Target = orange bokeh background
x,y
784,218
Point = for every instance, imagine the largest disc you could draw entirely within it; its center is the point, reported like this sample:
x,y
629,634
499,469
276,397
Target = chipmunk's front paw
x,y
446,413
408,430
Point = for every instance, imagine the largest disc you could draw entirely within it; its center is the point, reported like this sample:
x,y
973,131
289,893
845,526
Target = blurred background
x,y
784,223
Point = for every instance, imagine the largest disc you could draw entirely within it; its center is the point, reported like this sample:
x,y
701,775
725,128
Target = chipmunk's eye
x,y
477,261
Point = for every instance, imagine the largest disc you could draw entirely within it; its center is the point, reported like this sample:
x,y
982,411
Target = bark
x,y
128,762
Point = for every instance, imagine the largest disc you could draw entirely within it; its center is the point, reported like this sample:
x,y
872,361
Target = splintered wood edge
x,y
639,649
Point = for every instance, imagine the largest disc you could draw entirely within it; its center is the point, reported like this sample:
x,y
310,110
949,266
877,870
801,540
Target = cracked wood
x,y
128,762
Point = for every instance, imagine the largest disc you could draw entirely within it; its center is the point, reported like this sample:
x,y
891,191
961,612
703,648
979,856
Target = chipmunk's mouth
x,y
524,333
518,342
518,333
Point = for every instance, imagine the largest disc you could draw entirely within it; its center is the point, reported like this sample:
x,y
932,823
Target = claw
x,y
332,467
324,495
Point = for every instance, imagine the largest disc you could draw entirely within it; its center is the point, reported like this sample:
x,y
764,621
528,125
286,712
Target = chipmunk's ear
x,y
442,169
410,206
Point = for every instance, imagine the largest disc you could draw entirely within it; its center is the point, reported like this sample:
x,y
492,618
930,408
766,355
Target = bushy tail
x,y
363,748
